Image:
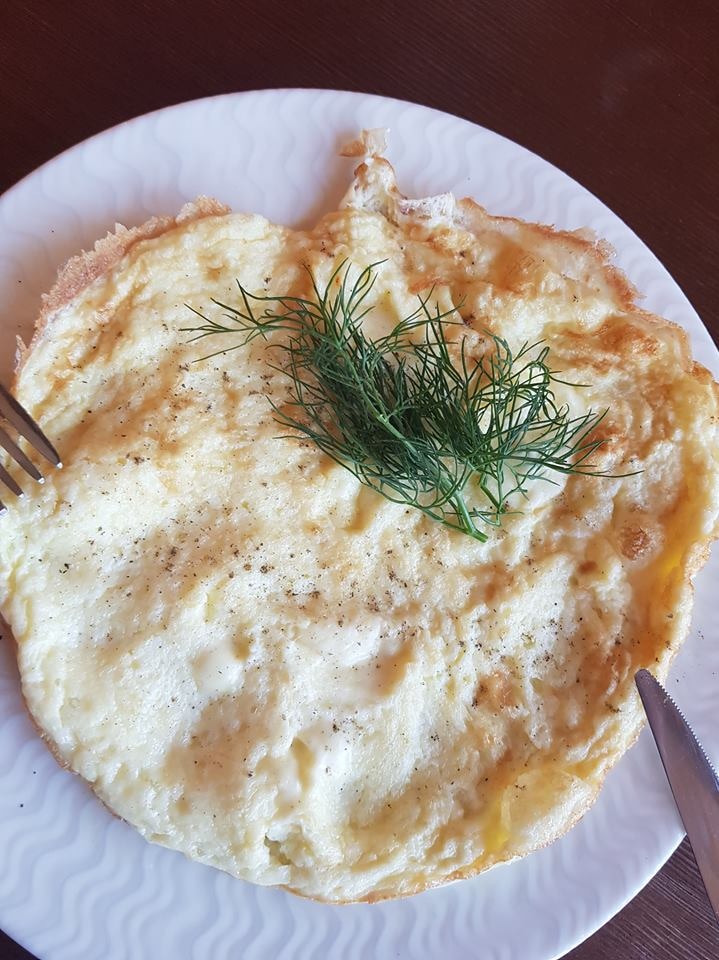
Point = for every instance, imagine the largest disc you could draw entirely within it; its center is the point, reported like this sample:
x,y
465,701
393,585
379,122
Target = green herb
x,y
455,439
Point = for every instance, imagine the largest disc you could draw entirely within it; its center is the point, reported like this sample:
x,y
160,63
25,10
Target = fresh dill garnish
x,y
455,439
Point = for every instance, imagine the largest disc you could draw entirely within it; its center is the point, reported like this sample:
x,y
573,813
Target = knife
x,y
691,777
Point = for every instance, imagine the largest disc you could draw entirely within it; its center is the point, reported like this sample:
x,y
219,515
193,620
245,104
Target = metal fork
x,y
16,415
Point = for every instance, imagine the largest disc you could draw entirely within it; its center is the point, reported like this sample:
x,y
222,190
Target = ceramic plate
x,y
76,883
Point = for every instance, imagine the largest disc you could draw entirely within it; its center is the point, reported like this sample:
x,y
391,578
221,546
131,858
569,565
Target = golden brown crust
x,y
375,188
599,253
80,271
369,143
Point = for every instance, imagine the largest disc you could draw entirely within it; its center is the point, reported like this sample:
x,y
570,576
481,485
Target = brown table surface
x,y
624,96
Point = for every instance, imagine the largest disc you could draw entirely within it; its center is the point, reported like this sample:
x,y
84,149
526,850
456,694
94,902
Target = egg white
x,y
259,662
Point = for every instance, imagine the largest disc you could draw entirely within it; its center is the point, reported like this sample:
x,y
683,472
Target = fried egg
x,y
258,661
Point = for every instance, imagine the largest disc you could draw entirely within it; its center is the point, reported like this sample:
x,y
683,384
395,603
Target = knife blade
x,y
691,777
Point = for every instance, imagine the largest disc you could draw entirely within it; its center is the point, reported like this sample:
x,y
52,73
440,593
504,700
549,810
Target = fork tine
x,y
17,455
10,483
15,414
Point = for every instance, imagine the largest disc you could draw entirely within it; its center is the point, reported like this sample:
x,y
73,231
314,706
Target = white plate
x,y
75,882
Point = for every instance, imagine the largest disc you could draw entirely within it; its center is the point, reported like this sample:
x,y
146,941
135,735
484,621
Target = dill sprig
x,y
454,438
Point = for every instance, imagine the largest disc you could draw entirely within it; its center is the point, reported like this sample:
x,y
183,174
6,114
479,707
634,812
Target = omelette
x,y
260,660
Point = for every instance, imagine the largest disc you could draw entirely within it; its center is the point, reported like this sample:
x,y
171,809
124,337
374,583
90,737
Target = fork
x,y
16,416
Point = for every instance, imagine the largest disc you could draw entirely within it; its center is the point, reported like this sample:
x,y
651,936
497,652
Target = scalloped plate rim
x,y
671,831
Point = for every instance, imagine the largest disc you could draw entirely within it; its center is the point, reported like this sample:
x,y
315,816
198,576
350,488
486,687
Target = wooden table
x,y
622,95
